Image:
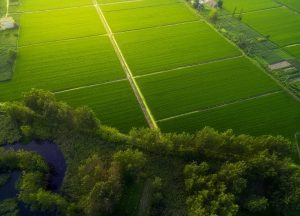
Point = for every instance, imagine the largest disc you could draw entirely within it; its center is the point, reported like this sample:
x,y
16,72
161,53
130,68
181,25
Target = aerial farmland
x,y
156,63
150,107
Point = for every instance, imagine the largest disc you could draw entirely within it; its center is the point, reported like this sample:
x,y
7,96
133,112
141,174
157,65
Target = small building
x,y
211,3
7,23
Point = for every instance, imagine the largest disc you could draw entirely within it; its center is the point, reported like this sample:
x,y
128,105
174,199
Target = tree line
x,y
222,174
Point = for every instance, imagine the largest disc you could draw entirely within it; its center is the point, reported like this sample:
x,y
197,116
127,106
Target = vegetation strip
x,y
260,10
64,8
7,8
89,86
120,2
62,40
127,70
220,106
157,27
189,66
53,9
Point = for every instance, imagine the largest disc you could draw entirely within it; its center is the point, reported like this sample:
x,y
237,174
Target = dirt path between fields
x,y
139,96
7,7
221,105
89,86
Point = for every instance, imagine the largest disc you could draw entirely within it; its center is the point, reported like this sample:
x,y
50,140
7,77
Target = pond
x,y
51,154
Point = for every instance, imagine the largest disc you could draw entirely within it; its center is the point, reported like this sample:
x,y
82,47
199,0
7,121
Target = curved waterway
x,y
51,154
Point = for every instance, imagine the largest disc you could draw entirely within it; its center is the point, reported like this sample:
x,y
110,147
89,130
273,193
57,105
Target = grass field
x,y
275,114
57,25
294,50
281,24
198,87
33,5
145,17
67,51
115,104
164,48
125,5
62,65
248,5
294,4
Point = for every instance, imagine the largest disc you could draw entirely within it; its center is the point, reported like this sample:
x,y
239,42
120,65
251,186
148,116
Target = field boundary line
x,y
291,45
138,7
89,86
138,94
241,100
63,40
7,8
119,2
190,66
159,26
249,58
287,6
52,9
262,10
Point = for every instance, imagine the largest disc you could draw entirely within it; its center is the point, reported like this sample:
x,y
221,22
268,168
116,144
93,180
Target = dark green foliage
x,y
224,173
220,3
9,133
33,194
150,140
213,15
260,183
4,177
100,186
86,119
9,207
12,54
131,162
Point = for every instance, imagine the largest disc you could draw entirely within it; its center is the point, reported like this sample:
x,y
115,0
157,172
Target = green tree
x,y
86,119
213,15
131,162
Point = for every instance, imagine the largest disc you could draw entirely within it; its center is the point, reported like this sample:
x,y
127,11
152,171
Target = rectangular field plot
x,y
164,48
294,50
63,65
274,114
131,4
248,5
113,1
186,90
293,4
33,5
57,25
146,17
280,24
114,104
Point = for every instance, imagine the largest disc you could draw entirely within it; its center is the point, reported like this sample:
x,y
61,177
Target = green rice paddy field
x,y
187,73
34,5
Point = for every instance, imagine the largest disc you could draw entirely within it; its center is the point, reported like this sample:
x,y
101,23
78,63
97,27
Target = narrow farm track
x,y
190,66
63,40
262,10
89,86
159,26
220,106
292,45
121,2
7,8
147,113
287,6
66,8
53,9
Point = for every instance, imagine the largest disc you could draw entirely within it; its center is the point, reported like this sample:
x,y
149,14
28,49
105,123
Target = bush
x,y
12,56
213,15
131,162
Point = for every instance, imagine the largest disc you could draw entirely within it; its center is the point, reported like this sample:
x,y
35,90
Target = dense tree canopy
x,y
220,173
